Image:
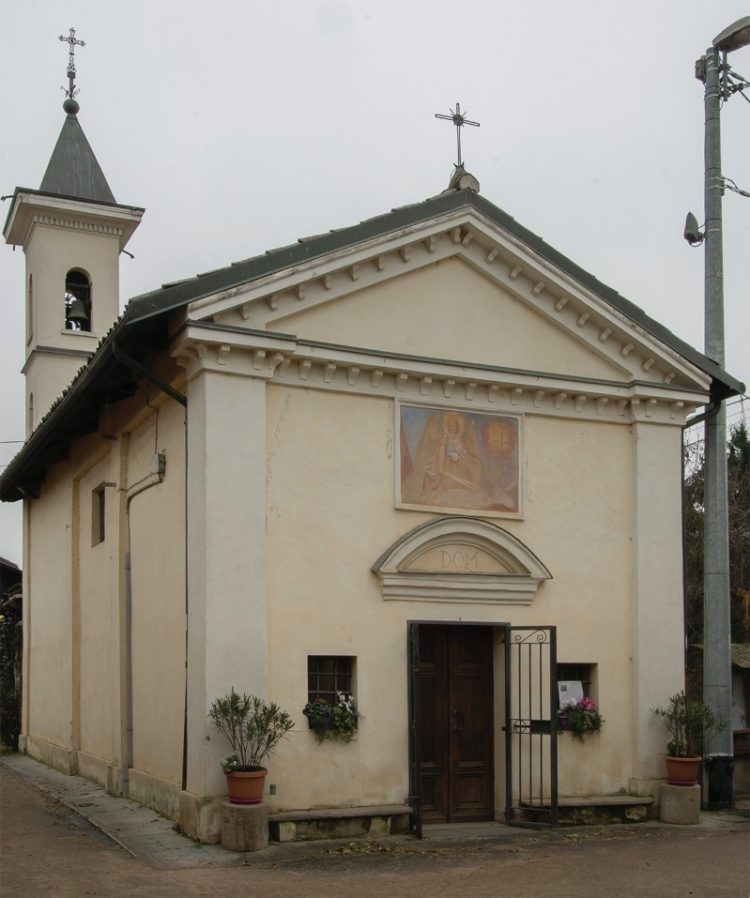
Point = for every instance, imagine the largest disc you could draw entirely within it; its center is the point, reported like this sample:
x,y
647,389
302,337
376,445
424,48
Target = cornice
x,y
76,224
80,355
31,208
285,360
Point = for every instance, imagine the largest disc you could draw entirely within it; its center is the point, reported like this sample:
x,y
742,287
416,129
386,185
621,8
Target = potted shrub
x,y
688,722
333,720
253,729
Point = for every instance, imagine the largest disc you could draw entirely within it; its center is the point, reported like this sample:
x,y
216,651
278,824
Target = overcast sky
x,y
243,125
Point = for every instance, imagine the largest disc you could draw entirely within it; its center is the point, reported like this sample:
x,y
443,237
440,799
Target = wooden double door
x,y
455,723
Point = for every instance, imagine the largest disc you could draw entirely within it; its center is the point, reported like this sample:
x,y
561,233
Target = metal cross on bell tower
x,y
459,120
72,42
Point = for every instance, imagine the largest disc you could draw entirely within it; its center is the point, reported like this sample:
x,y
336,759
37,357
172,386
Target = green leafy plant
x,y
252,727
10,669
688,722
333,720
580,718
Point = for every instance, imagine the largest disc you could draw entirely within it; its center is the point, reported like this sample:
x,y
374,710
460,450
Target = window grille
x,y
586,673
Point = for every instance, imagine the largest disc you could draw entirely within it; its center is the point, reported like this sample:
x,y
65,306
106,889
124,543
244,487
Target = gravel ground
x,y
48,850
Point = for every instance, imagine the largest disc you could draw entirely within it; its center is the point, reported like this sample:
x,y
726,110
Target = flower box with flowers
x,y
333,720
580,718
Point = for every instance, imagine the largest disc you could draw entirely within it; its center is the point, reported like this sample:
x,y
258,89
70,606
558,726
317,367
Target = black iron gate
x,y
531,726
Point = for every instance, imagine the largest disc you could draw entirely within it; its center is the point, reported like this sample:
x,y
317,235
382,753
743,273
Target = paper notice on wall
x,y
570,692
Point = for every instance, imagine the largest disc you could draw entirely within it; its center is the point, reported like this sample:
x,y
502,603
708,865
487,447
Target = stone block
x,y
61,759
636,813
680,804
379,826
244,827
284,831
399,824
200,818
647,788
156,793
332,828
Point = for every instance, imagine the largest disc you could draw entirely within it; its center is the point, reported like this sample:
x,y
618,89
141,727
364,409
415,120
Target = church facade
x,y
426,460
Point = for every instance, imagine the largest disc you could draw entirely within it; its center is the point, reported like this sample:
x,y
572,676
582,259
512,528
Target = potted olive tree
x,y
688,722
253,729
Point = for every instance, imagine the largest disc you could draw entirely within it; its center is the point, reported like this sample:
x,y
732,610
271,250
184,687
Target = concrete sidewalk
x,y
155,841
139,830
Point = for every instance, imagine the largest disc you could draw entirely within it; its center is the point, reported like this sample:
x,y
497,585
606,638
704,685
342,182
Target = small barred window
x,y
327,675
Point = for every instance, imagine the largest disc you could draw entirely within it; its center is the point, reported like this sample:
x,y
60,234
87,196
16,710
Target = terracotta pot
x,y
246,786
682,771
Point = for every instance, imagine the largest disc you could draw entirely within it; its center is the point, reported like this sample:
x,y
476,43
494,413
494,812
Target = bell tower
x,y
72,231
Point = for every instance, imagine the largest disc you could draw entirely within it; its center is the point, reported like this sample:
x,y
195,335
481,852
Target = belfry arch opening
x,y
77,301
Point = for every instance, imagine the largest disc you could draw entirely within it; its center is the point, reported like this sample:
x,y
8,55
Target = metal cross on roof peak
x,y
459,120
71,41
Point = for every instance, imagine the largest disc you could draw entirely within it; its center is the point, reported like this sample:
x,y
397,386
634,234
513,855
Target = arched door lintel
x,y
460,559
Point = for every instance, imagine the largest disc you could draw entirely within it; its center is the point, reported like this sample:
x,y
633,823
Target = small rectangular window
x,y
583,673
97,515
327,675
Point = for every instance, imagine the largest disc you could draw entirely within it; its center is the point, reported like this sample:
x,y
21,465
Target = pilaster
x,y
227,617
658,609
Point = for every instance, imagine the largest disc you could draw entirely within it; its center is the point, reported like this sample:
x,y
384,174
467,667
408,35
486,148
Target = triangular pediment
x,y
456,287
451,310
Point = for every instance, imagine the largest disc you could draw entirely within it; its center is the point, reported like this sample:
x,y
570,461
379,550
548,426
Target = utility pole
x,y
713,70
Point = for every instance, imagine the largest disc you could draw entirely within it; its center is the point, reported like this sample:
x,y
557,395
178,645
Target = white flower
x,y
345,701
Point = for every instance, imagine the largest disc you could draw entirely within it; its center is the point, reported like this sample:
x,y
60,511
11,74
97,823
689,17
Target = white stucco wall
x,y
95,593
48,620
75,690
331,513
157,518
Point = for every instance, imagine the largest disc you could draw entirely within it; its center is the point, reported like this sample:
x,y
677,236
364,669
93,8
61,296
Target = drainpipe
x,y
185,700
154,479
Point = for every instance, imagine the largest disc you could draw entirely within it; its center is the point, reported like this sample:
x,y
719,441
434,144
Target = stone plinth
x,y
244,827
680,804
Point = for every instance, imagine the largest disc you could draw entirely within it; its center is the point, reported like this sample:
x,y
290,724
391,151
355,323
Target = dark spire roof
x,y
73,170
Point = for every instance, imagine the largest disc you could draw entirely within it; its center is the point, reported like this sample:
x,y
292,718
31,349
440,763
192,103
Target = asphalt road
x,y
47,850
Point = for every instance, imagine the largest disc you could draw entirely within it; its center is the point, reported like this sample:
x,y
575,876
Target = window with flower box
x,y
331,709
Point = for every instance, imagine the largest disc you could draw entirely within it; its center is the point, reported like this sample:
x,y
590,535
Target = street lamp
x,y
720,83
